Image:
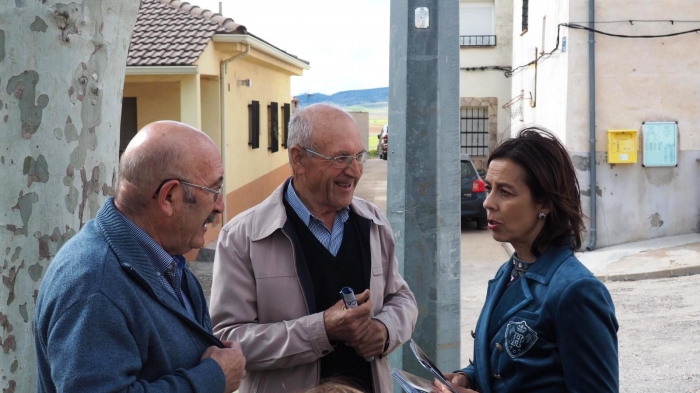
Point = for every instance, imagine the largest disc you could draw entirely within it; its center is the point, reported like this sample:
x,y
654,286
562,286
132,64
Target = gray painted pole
x,y
424,170
592,229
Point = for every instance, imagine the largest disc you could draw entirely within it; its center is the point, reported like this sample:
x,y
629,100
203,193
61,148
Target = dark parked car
x,y
383,142
473,193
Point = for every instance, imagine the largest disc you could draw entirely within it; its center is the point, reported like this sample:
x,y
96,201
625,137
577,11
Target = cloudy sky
x,y
347,42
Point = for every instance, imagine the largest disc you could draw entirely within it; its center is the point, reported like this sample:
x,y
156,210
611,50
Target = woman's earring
x,y
542,216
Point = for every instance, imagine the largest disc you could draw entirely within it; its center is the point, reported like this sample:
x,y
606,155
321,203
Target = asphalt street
x,y
659,336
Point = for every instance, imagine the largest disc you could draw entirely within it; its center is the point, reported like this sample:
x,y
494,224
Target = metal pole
x,y
592,230
423,175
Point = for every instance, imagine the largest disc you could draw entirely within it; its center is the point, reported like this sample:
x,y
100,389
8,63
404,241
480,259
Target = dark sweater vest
x,y
329,274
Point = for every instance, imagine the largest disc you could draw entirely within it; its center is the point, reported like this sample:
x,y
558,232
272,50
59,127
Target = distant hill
x,y
347,98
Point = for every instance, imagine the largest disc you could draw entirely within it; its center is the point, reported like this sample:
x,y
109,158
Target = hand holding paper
x,y
459,384
442,383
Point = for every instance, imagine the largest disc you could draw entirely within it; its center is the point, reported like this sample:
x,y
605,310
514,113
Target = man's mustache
x,y
211,218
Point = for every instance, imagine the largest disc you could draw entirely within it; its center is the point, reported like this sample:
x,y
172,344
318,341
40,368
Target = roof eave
x,y
261,46
161,70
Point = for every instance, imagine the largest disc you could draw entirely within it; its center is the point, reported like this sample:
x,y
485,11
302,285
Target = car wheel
x,y
384,156
481,223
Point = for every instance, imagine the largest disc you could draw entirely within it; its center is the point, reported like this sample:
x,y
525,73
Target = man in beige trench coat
x,y
280,266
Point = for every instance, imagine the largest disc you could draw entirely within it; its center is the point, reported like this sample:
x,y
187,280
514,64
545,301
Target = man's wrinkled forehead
x,y
329,126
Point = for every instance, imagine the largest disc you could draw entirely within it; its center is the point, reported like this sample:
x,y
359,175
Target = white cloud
x,y
346,42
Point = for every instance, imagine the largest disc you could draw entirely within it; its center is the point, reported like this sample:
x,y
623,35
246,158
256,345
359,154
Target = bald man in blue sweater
x,y
118,310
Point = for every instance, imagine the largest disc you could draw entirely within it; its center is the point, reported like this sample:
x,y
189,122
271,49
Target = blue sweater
x,y
105,322
554,330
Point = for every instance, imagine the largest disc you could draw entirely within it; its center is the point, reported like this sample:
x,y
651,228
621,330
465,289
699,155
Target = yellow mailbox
x,y
623,146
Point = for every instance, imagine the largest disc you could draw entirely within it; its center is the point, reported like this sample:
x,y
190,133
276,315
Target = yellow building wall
x,y
154,100
211,109
252,174
209,61
190,101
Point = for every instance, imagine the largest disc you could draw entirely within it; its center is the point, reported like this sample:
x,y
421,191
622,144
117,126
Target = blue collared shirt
x,y
332,239
161,260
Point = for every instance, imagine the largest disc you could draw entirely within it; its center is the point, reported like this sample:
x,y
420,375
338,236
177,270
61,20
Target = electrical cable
x,y
631,21
508,72
580,27
485,68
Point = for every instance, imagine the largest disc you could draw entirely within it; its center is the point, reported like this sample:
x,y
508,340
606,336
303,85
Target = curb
x,y
666,273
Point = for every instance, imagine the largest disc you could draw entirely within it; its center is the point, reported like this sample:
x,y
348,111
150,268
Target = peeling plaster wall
x,y
61,71
636,203
547,90
637,80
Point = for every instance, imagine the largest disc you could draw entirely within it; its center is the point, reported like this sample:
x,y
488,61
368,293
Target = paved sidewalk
x,y
664,257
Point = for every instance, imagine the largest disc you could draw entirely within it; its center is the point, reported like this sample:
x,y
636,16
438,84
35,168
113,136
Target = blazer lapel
x,y
134,261
142,269
518,294
194,293
150,280
516,297
169,300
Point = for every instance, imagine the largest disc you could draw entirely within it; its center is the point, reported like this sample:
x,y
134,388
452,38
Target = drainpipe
x,y
222,89
591,107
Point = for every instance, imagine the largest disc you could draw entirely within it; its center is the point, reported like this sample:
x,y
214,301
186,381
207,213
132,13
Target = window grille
x,y
477,40
474,131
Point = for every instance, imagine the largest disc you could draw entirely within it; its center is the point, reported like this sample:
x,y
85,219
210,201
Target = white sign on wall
x,y
660,143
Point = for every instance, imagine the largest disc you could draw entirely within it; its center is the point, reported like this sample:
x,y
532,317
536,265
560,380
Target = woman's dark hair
x,y
550,175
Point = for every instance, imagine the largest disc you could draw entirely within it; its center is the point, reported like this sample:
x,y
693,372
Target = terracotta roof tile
x,y
173,32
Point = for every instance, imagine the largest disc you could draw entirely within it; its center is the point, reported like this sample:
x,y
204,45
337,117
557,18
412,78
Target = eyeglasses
x,y
216,192
342,162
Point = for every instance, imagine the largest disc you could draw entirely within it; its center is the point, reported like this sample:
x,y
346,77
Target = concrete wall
x,y
636,203
487,85
646,80
362,121
637,80
544,86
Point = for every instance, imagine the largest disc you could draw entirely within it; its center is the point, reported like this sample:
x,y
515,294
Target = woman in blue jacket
x,y
548,325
